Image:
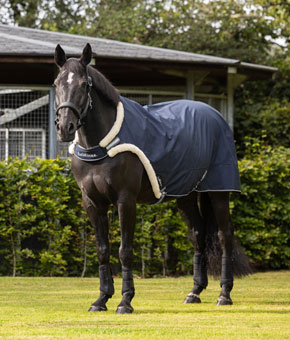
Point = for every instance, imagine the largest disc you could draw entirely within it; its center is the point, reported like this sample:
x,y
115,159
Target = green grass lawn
x,y
56,308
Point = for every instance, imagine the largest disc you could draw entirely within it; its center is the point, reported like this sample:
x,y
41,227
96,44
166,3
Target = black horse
x,y
86,109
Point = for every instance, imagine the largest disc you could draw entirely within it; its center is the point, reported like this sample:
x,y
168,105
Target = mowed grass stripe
x,y
56,308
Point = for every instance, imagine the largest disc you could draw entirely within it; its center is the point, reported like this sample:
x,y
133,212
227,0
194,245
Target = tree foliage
x,y
236,29
61,15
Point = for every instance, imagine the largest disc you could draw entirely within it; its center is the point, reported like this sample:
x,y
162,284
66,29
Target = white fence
x,y
23,123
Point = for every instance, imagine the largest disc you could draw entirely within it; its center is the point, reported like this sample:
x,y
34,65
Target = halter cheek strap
x,y
81,115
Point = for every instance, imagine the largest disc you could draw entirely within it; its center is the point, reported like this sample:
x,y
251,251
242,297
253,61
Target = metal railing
x,y
27,118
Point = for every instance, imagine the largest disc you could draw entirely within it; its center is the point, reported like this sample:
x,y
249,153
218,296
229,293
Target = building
x,y
145,74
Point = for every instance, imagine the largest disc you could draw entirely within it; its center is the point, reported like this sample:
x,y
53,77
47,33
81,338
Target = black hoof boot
x,y
124,309
98,308
224,301
100,304
192,298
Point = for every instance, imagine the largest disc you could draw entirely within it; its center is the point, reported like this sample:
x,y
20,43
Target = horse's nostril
x,y
57,127
71,128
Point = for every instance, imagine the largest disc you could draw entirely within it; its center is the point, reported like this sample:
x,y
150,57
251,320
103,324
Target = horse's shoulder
x,y
108,177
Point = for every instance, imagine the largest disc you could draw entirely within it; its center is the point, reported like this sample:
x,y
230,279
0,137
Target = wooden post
x,y
150,99
232,71
51,127
190,85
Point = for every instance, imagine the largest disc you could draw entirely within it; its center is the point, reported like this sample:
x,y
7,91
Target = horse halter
x,y
80,114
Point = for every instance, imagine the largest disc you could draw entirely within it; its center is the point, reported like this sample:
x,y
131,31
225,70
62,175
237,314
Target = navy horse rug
x,y
184,146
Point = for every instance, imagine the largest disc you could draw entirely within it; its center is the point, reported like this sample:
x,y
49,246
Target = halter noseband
x,y
80,114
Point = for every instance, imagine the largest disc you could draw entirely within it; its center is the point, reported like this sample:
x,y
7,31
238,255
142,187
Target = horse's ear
x,y
59,56
87,55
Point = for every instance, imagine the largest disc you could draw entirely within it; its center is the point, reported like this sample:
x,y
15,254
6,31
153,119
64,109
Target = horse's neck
x,y
98,123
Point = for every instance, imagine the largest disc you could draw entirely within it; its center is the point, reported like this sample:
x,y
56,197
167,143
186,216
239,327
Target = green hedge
x,y
40,218
261,213
44,230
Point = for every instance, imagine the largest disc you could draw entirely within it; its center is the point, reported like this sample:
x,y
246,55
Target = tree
x,y
56,15
238,29
23,13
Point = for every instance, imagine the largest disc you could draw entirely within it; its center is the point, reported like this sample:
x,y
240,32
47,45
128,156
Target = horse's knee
x,y
103,254
126,256
226,240
192,237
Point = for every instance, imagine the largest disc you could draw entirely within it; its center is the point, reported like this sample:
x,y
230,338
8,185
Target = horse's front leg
x,y
127,217
99,220
220,204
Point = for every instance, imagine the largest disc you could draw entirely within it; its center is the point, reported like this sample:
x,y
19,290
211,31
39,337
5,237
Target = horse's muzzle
x,y
66,133
65,139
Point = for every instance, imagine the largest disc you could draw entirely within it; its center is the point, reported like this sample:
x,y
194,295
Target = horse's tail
x,y
241,265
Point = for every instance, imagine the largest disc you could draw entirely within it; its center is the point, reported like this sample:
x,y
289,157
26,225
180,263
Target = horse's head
x,y
73,86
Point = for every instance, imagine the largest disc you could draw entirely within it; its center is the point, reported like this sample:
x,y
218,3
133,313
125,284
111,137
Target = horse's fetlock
x,y
197,289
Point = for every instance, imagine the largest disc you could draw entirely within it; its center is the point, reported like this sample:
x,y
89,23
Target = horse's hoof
x,y
223,301
192,298
124,310
94,308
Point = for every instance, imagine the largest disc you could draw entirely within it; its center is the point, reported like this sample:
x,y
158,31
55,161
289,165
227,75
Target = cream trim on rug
x,y
115,128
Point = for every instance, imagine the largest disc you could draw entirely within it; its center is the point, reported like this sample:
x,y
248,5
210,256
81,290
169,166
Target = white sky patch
x,y
70,77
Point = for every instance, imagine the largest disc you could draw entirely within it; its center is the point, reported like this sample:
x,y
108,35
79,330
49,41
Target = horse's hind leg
x,y
189,211
220,205
127,217
99,220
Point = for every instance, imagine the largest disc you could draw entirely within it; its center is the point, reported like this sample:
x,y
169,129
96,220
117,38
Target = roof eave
x,y
226,63
258,67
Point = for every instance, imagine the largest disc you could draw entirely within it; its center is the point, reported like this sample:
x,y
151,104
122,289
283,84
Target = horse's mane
x,y
104,87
